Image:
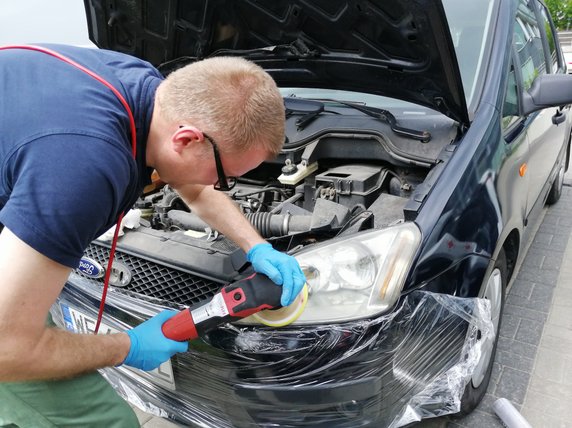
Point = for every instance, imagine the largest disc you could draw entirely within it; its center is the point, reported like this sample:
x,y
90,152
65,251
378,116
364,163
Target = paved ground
x,y
533,365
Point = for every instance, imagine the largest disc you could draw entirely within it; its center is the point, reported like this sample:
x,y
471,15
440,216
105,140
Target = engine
x,y
338,200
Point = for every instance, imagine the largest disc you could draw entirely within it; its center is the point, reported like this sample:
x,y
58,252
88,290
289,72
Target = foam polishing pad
x,y
285,315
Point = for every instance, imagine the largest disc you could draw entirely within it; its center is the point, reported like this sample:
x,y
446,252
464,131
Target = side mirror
x,y
548,90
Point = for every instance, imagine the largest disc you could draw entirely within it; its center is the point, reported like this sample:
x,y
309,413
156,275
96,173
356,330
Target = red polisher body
x,y
234,301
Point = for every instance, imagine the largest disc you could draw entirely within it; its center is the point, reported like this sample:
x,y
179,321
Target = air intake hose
x,y
268,225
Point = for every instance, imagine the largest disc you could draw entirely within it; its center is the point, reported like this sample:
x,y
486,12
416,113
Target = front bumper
x,y
392,370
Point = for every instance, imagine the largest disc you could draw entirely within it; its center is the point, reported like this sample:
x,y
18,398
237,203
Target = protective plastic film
x,y
401,367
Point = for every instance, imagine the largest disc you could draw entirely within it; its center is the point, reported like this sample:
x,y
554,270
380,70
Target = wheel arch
x,y
511,248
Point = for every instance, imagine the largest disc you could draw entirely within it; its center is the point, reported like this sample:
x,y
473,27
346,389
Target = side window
x,y
531,54
510,108
528,45
550,38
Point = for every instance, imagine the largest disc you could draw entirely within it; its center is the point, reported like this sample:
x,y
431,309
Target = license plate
x,y
78,322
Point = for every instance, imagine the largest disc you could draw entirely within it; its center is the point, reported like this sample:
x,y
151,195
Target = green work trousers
x,y
84,401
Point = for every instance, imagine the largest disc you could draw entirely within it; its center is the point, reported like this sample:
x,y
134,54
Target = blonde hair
x,y
230,98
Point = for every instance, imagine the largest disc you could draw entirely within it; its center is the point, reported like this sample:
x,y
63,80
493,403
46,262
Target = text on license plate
x,y
78,322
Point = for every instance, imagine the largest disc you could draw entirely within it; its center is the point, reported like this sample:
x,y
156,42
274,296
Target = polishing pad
x,y
286,315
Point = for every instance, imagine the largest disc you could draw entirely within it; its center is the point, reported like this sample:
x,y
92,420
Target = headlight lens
x,y
357,277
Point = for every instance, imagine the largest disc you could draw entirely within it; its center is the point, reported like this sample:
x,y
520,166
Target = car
x,y
423,139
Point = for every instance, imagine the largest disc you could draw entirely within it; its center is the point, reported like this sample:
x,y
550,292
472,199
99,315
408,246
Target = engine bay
x,y
340,171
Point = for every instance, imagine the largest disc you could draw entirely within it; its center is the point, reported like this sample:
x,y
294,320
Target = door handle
x,y
559,117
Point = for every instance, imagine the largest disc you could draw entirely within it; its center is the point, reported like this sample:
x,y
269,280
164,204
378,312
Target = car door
x,y
536,54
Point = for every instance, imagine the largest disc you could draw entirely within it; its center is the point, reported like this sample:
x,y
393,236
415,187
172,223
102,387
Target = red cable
x,y
133,152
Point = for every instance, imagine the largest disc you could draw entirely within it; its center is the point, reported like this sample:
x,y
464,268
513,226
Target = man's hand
x,y
149,346
281,268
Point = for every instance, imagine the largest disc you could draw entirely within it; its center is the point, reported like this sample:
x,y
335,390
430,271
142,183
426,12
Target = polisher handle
x,y
234,301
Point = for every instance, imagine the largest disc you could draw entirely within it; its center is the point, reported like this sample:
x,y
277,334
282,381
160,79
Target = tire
x,y
495,289
556,189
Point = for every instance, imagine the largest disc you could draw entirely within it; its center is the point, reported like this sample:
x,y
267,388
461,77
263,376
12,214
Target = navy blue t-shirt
x,y
66,168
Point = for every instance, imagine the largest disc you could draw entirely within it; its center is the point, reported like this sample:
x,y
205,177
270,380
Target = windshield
x,y
470,23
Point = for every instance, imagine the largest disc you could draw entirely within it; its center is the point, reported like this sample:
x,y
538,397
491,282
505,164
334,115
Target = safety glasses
x,y
223,183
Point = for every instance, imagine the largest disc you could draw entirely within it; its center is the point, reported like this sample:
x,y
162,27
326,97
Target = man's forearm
x,y
30,283
59,354
221,213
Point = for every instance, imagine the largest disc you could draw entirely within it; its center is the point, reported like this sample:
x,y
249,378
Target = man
x,y
67,172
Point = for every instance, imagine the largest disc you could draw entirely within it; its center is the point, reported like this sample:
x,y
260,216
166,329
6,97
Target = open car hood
x,y
398,49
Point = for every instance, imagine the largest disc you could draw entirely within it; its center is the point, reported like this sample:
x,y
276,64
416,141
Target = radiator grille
x,y
154,280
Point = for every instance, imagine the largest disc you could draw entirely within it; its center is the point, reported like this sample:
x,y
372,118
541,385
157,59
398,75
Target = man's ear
x,y
185,136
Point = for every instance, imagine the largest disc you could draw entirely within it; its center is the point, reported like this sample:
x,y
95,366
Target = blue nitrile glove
x,y
149,346
281,268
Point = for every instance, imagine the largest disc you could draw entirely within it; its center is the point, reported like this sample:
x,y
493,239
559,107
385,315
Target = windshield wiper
x,y
312,108
386,116
296,49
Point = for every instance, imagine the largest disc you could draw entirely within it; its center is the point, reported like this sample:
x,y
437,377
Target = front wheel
x,y
495,288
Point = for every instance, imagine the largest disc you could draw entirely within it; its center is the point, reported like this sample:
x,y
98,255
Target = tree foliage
x,y
561,11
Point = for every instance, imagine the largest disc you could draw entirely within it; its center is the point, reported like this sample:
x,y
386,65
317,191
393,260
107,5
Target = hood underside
x,y
398,49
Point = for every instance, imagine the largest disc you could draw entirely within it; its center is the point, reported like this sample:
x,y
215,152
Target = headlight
x,y
357,277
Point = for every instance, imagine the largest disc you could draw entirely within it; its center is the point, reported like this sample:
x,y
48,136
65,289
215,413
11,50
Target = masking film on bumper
x,y
411,364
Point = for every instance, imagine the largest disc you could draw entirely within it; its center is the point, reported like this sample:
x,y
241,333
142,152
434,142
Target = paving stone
x,y
561,316
551,263
540,302
513,385
565,279
530,331
550,218
565,220
560,221
557,338
549,388
525,313
539,420
548,277
550,365
514,361
542,238
549,228
542,296
487,403
509,326
521,288
477,419
560,239
535,259
566,272
536,402
546,253
567,380
519,348
563,297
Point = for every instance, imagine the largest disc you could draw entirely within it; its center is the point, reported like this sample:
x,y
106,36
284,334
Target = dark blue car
x,y
423,139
